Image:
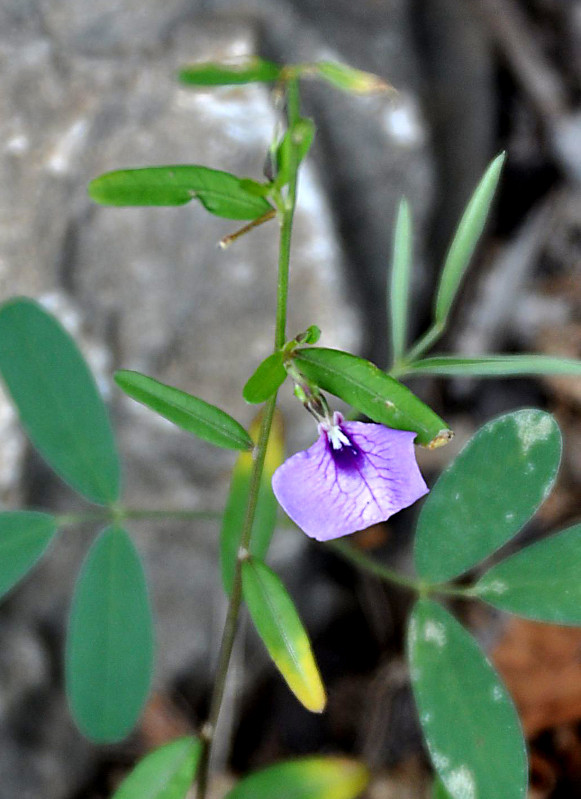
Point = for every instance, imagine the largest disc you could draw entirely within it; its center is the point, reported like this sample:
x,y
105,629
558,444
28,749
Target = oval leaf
x,y
487,494
24,537
266,380
266,505
400,280
281,630
190,413
540,582
469,722
165,773
219,192
58,401
372,392
247,70
495,366
109,658
305,778
466,238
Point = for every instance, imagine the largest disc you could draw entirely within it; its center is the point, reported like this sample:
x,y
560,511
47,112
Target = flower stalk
x,y
286,209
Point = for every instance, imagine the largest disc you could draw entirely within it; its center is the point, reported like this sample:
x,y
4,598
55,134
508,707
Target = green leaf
x,y
495,366
371,392
58,401
305,778
24,538
347,78
109,658
254,187
471,728
400,280
266,505
247,70
540,582
488,493
280,628
190,413
466,238
438,790
266,380
300,136
219,192
165,773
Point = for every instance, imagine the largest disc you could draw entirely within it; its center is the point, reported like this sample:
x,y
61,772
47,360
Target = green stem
x,y
229,632
288,211
424,343
108,515
344,550
371,566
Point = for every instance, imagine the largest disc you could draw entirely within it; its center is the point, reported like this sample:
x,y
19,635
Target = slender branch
x,y
108,515
225,242
293,112
341,548
371,566
229,632
419,348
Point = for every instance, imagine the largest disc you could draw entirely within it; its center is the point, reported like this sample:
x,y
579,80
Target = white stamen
x,y
337,437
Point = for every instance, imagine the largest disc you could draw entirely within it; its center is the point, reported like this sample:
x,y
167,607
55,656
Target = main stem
x,y
230,625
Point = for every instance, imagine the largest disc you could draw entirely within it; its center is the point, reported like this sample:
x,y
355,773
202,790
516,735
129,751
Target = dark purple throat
x,y
347,456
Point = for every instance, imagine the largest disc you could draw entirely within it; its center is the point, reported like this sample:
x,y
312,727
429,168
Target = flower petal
x,y
331,492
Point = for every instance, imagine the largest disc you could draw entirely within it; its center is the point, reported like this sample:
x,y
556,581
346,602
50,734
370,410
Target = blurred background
x,y
87,87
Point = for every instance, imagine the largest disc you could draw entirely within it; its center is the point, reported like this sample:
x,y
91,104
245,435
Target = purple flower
x,y
355,475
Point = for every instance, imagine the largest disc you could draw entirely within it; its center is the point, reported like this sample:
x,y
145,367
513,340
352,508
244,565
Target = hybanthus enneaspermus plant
x,y
357,473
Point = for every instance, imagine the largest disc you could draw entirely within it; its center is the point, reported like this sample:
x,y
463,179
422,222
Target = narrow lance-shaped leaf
x,y
347,78
487,494
57,400
109,658
305,778
190,413
246,70
540,582
219,192
266,380
495,366
236,506
400,280
24,538
466,238
166,773
471,727
280,628
372,392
